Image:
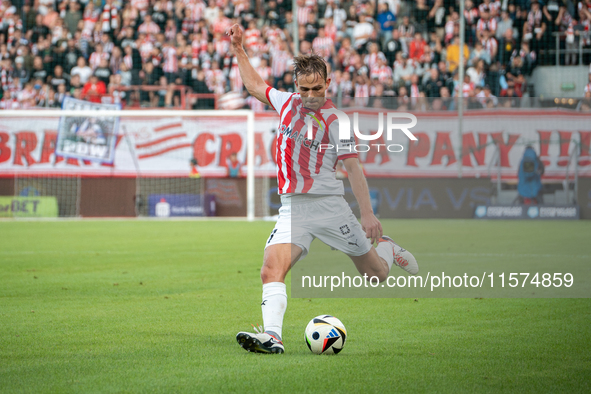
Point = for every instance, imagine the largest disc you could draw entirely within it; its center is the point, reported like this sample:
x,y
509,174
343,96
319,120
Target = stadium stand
x,y
175,54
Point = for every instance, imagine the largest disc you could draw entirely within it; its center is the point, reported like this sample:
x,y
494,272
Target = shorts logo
x,y
271,236
345,229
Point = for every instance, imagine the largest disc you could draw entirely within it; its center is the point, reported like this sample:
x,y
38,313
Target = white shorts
x,y
328,218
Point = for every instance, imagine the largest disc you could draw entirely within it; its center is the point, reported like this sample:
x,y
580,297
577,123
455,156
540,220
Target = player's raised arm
x,y
253,82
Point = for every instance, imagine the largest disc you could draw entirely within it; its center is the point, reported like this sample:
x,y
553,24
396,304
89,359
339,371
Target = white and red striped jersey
x,y
197,10
362,94
260,47
490,24
235,80
307,165
255,104
346,88
222,47
264,72
496,6
303,15
493,7
471,16
331,31
140,5
381,73
371,59
108,47
251,37
588,88
274,35
171,61
491,46
150,28
95,59
25,96
280,62
239,7
146,49
215,80
170,33
88,27
187,26
467,88
323,46
198,45
222,25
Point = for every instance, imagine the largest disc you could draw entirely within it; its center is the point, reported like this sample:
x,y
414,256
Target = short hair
x,y
310,65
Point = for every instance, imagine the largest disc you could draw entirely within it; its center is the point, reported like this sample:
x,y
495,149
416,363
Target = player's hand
x,y
235,33
372,227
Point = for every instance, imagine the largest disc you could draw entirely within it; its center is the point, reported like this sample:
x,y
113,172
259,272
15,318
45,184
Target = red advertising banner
x,y
165,146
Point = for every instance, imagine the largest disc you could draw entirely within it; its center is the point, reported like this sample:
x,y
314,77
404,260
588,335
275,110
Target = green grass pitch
x,y
151,306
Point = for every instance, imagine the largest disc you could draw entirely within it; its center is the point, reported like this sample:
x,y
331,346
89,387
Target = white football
x,y
325,334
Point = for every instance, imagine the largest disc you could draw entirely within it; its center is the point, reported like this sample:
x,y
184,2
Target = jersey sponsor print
x,y
307,165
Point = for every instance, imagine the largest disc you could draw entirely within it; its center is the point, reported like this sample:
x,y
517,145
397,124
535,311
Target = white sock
x,y
273,306
386,251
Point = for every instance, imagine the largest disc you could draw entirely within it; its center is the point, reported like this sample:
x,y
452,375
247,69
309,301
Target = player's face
x,y
312,89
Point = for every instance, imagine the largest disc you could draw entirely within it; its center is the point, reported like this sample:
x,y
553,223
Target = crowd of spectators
x,y
409,51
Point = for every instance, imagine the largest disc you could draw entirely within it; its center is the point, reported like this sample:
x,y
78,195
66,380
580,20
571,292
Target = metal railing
x,y
182,90
579,51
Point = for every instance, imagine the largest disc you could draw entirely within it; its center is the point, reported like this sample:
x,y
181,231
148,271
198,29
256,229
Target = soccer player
x,y
307,184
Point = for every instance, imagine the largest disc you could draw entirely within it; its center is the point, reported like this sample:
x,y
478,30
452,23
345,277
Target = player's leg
x,y
285,246
277,261
372,264
341,230
379,260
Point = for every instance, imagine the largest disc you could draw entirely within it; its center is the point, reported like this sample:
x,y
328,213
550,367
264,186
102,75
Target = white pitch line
x,y
580,256
19,252
98,252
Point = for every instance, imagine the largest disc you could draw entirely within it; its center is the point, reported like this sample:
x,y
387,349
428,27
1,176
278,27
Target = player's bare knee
x,y
266,275
272,271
